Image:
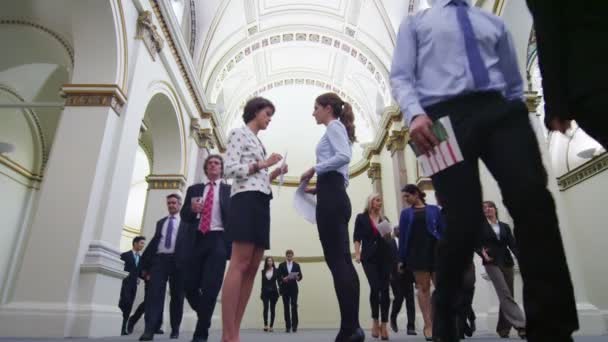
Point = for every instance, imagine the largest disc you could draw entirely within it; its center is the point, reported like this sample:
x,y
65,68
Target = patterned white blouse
x,y
243,149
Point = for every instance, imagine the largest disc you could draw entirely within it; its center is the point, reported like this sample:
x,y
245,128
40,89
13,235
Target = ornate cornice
x,y
397,140
591,168
188,79
166,182
425,184
391,114
55,35
374,172
148,33
94,95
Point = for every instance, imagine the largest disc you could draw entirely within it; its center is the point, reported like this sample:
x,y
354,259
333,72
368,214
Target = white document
x,y
384,228
305,204
282,176
292,275
446,154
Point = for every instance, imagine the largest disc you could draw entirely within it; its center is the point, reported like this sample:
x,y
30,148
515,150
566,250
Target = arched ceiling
x,y
246,47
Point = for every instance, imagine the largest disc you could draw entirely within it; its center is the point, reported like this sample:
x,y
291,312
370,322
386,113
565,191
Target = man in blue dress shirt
x,y
458,61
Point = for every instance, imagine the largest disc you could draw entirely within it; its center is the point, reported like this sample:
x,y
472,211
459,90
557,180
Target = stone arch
x,y
165,130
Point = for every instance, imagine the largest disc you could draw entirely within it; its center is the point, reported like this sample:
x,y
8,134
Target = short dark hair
x,y
414,190
491,204
137,239
176,196
255,105
214,156
289,251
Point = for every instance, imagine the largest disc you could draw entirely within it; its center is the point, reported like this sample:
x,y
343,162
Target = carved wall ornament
x,y
203,136
166,182
94,95
397,140
148,32
374,172
532,101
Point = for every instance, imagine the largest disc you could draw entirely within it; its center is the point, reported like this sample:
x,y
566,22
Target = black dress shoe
x,y
357,336
174,336
294,330
412,331
159,332
287,330
146,337
199,339
394,325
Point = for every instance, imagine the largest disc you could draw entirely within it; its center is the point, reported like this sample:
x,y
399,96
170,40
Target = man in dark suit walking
x,y
402,284
128,289
290,274
164,261
205,215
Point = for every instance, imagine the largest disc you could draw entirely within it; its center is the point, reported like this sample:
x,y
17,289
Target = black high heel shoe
x,y
357,336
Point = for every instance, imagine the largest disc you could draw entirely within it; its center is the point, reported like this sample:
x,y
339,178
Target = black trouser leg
x,y
287,310
176,305
500,133
266,302
592,119
273,305
396,287
371,273
294,310
211,260
155,292
333,214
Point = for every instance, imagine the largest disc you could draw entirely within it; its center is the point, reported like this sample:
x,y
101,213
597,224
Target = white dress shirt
x,y
163,235
243,149
289,266
334,150
496,228
216,213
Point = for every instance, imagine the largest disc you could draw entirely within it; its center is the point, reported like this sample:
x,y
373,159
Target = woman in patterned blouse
x,y
334,209
249,214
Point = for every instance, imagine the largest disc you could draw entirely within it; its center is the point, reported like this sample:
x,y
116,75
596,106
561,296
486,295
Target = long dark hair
x,y
414,190
266,263
342,111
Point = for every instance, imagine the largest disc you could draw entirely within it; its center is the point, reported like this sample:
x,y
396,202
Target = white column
x,y
200,146
396,146
57,287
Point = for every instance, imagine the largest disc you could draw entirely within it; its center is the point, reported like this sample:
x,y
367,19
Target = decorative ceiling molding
x,y
287,35
589,169
59,38
192,26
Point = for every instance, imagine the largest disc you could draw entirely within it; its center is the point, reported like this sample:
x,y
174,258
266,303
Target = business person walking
x,y
334,208
289,290
128,290
269,292
374,252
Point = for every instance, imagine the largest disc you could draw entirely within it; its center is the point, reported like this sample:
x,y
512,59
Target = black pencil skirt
x,y
249,218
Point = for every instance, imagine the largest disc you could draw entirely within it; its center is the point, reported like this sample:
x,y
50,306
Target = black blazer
x,y
189,217
372,246
499,250
269,286
183,246
292,285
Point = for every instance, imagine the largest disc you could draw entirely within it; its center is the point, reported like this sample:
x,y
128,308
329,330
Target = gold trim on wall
x,y
94,95
584,172
18,168
166,182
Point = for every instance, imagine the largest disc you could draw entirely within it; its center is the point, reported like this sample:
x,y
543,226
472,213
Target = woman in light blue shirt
x,y
334,209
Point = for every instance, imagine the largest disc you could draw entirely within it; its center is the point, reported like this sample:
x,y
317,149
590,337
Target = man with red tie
x,y
205,213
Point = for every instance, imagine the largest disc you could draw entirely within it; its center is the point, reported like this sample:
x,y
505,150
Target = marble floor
x,y
300,336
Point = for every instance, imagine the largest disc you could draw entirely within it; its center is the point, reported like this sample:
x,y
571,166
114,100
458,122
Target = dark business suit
x,y
162,268
289,291
207,263
402,284
269,295
128,289
376,257
500,271
572,61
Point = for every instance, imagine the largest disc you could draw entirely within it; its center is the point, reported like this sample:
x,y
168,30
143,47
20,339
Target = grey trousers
x,y
510,314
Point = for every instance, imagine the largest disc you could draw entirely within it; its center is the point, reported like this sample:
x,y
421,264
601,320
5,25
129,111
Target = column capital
x,y
166,182
94,95
397,140
374,172
202,136
532,100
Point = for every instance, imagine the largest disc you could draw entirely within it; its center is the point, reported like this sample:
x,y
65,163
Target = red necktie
x,y
205,224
